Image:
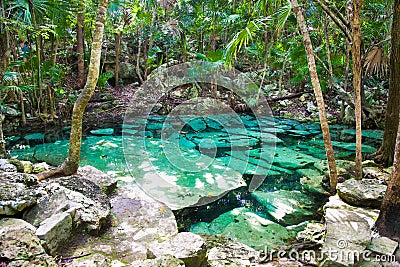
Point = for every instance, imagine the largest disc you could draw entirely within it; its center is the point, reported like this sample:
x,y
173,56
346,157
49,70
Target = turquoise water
x,y
282,150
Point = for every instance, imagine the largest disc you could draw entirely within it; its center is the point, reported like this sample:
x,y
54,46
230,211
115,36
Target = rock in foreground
x,y
362,193
20,246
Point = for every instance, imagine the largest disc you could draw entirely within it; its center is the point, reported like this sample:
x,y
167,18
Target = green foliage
x,y
103,78
248,35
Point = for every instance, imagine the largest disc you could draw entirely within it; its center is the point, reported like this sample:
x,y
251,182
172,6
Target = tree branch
x,y
337,18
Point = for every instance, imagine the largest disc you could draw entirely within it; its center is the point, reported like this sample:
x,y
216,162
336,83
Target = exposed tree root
x,y
65,169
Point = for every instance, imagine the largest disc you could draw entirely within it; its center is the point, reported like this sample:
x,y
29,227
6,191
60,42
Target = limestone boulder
x,y
188,247
5,166
82,199
55,231
137,221
348,232
364,193
20,246
165,260
107,183
354,236
16,194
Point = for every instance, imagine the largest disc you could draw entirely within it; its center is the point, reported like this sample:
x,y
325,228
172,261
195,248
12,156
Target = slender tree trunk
x,y
4,41
318,95
13,48
349,14
42,101
51,102
3,153
41,105
71,163
388,220
357,83
117,44
80,49
21,100
151,41
50,90
328,53
386,151
42,54
55,51
138,61
280,81
3,57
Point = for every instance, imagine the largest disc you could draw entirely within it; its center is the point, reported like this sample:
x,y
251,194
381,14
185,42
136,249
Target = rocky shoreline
x,y
87,220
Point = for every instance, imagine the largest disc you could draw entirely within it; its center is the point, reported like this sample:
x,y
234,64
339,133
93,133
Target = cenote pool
x,y
289,153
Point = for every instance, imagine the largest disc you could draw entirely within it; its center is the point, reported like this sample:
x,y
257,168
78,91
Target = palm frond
x,y
283,15
376,62
241,39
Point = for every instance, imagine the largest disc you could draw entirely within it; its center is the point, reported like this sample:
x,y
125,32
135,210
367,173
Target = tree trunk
x,y
80,47
13,48
328,53
50,93
386,151
138,61
3,153
349,14
357,83
41,105
55,45
151,40
388,220
71,163
23,115
117,43
318,95
4,41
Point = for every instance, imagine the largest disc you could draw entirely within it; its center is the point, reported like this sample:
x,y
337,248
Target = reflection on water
x,y
283,150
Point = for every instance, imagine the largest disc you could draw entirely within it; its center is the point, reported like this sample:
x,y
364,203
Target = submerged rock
x,y
102,132
364,193
179,177
34,136
288,207
248,228
312,181
20,246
